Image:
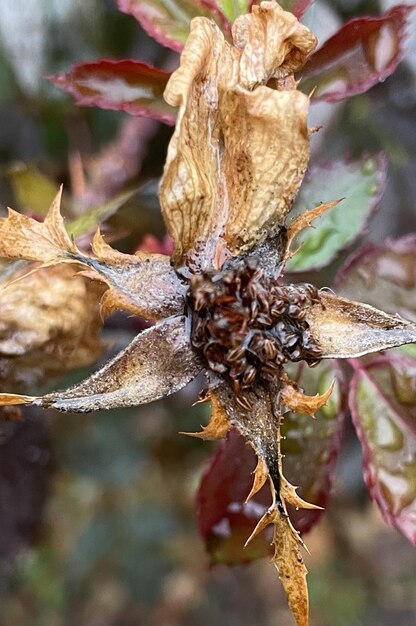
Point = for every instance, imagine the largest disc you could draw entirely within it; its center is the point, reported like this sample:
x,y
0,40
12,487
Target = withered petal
x,y
273,43
158,362
346,329
240,148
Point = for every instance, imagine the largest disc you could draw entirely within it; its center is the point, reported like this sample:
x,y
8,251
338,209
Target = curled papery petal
x,y
347,329
157,363
240,148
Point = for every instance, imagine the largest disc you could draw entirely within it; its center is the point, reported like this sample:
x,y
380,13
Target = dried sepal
x,y
289,495
218,425
297,401
261,474
260,426
305,221
222,192
158,362
22,237
288,561
347,329
143,283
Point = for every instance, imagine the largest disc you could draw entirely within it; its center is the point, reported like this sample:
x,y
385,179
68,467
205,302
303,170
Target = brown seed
x,y
249,375
270,349
244,402
235,354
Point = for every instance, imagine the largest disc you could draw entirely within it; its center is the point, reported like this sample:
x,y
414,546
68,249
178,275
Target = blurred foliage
x,y
97,512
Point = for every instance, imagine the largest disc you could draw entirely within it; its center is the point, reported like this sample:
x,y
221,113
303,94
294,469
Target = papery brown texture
x,y
240,148
49,323
158,362
260,425
346,329
143,284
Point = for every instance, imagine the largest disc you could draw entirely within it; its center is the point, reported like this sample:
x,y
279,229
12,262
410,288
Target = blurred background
x,y
97,512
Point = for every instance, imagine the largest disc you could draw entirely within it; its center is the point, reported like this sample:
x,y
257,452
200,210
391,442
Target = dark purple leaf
x,y
365,51
310,448
129,86
167,21
25,467
383,405
394,265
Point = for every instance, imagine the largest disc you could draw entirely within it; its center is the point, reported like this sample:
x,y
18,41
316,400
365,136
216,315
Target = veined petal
x,y
240,148
347,329
157,363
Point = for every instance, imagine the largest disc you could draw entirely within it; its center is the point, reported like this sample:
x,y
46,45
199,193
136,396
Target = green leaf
x,y
87,222
233,8
167,21
33,190
383,406
361,184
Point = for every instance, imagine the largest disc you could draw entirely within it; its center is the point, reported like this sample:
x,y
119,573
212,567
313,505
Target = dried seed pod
x,y
246,326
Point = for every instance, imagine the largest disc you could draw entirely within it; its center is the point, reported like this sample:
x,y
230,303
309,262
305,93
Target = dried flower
x,y
234,166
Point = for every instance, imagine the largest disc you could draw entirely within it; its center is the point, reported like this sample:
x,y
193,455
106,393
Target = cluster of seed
x,y
247,326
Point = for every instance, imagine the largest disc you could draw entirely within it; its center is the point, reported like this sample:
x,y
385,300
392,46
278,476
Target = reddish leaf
x,y
310,449
168,21
297,7
365,51
129,86
225,520
394,264
383,405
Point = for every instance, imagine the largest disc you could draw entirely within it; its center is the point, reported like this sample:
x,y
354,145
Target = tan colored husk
x,y
240,148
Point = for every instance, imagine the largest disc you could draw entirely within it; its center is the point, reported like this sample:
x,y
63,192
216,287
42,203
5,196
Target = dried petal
x,y
224,191
158,362
49,323
346,329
